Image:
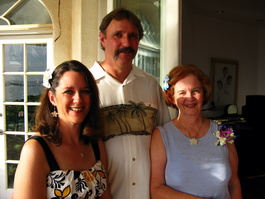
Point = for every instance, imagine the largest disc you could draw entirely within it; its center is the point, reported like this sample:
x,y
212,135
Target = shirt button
x,y
133,159
133,184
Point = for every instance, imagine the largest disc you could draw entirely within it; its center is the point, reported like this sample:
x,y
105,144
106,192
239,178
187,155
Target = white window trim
x,y
16,39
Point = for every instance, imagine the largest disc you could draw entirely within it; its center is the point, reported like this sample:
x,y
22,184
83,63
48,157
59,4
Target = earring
x,y
54,113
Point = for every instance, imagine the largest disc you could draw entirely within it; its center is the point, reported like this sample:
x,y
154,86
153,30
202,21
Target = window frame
x,y
6,192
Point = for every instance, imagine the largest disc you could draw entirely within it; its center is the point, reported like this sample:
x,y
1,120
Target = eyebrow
x,y
129,33
198,87
70,87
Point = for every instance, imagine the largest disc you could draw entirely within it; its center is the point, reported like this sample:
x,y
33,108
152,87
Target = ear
x,y
102,39
52,98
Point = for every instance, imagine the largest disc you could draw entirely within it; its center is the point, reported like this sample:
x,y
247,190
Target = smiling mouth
x,y
190,105
76,109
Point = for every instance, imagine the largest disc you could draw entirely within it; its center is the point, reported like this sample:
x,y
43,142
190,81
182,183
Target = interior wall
x,y
85,31
59,12
204,38
75,29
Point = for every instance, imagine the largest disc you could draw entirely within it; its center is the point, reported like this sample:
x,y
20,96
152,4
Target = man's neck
x,y
119,72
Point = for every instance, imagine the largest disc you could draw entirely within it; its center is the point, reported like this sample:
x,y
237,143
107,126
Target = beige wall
x,y
75,29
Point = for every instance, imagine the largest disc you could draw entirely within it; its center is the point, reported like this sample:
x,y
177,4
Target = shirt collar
x,y
99,72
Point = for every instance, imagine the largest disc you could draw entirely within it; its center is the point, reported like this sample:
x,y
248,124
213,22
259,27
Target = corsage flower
x,y
165,81
46,77
224,135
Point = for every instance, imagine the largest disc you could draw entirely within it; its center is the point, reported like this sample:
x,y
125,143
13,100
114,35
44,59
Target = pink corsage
x,y
224,135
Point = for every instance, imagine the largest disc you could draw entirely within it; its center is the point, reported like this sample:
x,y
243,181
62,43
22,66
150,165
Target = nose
x,y
189,95
126,41
77,97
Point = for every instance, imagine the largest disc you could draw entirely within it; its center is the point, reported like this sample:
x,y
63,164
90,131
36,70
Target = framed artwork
x,y
224,80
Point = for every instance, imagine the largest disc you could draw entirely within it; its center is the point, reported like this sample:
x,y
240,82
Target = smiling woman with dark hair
x,y
66,157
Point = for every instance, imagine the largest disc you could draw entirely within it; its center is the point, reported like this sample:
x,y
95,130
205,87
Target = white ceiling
x,y
251,12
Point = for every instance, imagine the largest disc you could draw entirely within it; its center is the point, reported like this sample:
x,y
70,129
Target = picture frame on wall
x,y
224,80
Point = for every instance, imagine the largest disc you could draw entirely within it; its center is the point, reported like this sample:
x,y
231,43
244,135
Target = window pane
x,y
149,61
37,57
31,117
5,5
34,87
14,88
11,170
13,56
14,118
14,146
29,12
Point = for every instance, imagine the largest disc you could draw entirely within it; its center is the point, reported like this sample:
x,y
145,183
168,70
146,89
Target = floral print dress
x,y
70,184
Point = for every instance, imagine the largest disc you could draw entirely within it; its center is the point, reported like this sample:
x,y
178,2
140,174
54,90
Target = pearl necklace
x,y
193,140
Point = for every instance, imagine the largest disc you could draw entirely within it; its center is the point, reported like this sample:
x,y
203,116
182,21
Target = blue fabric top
x,y
202,170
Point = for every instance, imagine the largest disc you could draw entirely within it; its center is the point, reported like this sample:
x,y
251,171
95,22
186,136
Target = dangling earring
x,y
54,113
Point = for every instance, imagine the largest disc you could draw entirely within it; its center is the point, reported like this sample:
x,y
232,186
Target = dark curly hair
x,y
48,126
178,73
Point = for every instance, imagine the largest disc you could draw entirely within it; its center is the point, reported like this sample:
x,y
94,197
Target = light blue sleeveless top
x,y
202,170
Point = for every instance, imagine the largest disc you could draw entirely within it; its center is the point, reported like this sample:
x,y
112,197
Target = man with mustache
x,y
132,103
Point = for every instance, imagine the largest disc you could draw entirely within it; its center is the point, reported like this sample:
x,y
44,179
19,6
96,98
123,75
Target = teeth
x,y
76,109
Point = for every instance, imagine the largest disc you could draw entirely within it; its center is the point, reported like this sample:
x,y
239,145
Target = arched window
x,y
18,12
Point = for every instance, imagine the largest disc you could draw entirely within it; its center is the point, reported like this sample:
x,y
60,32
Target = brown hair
x,y
48,126
119,14
178,73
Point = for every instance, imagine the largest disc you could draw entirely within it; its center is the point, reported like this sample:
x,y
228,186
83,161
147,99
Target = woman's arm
x,y
158,186
103,157
31,173
234,182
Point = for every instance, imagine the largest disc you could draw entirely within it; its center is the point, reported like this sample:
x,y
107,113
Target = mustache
x,y
126,50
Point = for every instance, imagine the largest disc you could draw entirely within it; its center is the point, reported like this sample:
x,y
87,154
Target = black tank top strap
x,y
49,156
96,149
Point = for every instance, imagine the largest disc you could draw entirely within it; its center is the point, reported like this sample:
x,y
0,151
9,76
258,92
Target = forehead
x,y
123,25
72,78
188,81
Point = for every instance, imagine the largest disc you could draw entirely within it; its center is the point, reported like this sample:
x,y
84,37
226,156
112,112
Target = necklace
x,y
193,140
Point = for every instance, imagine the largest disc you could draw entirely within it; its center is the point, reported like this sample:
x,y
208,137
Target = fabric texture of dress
x,y
70,184
202,170
132,110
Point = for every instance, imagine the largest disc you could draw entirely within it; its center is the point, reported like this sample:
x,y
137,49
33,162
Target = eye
x,y
86,91
197,91
134,35
118,34
68,91
182,93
